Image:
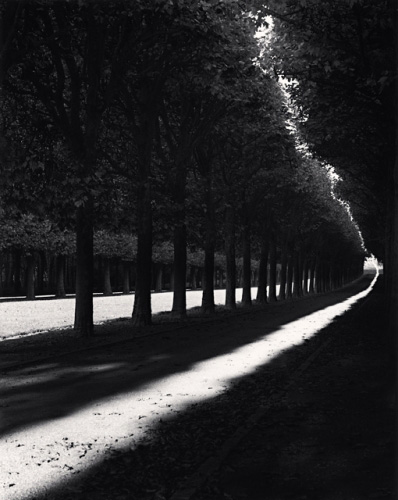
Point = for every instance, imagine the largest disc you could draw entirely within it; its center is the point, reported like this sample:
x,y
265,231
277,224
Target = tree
x,y
340,58
111,245
70,57
27,235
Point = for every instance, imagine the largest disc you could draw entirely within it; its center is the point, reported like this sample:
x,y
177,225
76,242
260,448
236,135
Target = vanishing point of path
x,y
65,419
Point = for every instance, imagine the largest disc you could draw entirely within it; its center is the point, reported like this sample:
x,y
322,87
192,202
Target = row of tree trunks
x,y
39,272
163,276
315,274
116,275
49,274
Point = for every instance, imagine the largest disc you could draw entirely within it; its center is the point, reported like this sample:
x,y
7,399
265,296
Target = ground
x,y
272,403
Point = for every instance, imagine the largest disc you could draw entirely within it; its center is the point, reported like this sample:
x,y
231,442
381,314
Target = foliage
x,y
338,59
109,244
30,233
163,252
104,102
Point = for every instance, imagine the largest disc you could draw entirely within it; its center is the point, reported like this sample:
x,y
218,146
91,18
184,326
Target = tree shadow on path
x,y
331,436
181,442
51,390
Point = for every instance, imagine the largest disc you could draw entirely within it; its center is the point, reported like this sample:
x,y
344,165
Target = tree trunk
x,y
116,276
30,277
17,272
318,275
71,273
230,290
332,274
282,290
239,277
305,276
158,277
290,267
84,270
9,271
60,276
179,308
192,277
204,157
171,278
297,276
41,271
272,270
246,292
106,269
326,277
142,314
312,276
126,277
263,270
208,305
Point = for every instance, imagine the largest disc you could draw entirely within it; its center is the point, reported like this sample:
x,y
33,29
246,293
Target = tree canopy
x,y
161,131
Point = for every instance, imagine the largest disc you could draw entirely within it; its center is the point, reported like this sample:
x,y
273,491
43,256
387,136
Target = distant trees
x,y
30,246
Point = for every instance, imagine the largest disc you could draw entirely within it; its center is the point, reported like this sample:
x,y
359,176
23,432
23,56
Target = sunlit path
x,y
41,315
36,456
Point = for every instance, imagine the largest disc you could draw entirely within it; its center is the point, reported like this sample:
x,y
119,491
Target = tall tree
x,y
340,58
69,61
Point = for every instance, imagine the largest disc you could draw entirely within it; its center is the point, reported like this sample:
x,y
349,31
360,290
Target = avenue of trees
x,y
341,61
150,143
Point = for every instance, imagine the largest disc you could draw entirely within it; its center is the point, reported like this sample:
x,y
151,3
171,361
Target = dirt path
x,y
65,419
330,436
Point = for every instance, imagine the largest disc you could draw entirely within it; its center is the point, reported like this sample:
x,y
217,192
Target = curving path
x,y
61,418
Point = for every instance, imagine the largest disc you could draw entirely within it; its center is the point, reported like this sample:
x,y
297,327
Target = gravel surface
x,y
135,420
22,316
330,435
